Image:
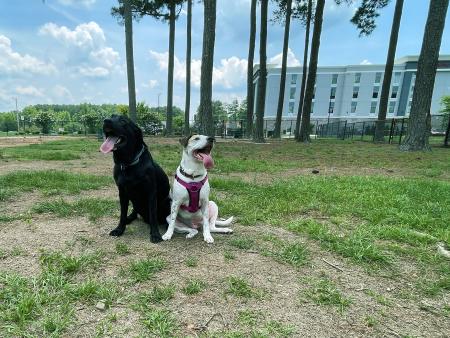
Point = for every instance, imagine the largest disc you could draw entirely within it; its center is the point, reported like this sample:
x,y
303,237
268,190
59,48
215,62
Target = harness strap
x,y
193,189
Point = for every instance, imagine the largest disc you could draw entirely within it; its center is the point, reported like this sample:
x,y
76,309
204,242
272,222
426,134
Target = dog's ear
x,y
185,140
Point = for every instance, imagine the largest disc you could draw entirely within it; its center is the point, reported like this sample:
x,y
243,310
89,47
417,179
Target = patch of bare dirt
x,y
12,141
282,286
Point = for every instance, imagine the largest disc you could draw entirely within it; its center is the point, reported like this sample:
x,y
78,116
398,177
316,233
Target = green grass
x,y
94,208
61,150
49,182
191,261
193,286
160,323
323,291
45,304
158,295
242,242
122,248
240,288
145,269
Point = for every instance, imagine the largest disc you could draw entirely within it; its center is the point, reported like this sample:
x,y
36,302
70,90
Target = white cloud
x,y
29,91
86,35
292,61
107,55
62,92
151,84
231,72
365,62
93,71
85,3
12,62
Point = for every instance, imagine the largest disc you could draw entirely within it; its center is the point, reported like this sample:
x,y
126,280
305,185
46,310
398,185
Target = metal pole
x,y
17,116
362,132
345,128
337,131
391,130
401,132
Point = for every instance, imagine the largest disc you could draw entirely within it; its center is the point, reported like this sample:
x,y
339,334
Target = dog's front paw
x,y
208,238
117,232
167,235
155,238
192,234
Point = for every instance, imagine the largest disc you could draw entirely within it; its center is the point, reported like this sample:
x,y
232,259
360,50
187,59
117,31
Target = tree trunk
x,y
130,59
169,112
277,130
258,135
188,68
305,70
384,99
447,132
418,134
209,35
251,55
315,44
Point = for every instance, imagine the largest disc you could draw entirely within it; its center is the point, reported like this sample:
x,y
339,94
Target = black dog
x,y
139,179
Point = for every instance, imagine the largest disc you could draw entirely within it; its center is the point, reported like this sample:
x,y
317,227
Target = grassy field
x,y
353,249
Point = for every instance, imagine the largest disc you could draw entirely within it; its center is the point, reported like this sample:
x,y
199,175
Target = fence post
x,y
401,132
362,132
317,125
265,133
345,129
337,131
353,129
242,129
290,133
391,130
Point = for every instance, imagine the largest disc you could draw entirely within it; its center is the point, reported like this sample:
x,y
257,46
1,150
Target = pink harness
x,y
193,189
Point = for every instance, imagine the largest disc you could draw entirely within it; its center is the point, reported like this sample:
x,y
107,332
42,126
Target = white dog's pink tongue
x,y
207,160
108,145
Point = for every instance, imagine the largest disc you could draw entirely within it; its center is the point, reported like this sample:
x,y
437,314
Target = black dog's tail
x,y
164,211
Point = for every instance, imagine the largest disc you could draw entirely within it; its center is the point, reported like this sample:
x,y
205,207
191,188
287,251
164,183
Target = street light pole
x,y
17,116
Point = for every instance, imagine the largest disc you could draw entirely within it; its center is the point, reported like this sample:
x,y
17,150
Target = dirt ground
x,y
282,286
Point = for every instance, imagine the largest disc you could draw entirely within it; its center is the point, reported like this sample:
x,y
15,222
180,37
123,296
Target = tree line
x,y
310,15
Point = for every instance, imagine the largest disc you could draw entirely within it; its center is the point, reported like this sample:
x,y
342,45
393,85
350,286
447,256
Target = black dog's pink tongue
x,y
207,160
108,145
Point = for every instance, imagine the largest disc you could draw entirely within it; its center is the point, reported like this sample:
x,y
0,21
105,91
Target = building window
x,y
314,93
377,77
376,91
294,79
408,109
333,93
391,107
292,94
312,107
354,105
331,108
355,92
291,108
373,107
397,77
334,79
394,92
357,77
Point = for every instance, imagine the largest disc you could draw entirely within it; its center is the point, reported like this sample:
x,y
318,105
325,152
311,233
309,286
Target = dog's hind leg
x,y
184,229
213,214
131,217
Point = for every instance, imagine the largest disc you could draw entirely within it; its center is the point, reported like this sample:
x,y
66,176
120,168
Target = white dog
x,y
191,207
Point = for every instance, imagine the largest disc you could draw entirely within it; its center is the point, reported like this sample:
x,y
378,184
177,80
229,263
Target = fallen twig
x,y
332,265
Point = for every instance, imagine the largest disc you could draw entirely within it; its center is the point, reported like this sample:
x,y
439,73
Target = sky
x,y
73,51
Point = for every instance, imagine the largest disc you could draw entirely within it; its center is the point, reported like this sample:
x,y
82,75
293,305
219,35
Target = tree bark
x,y
418,134
209,35
447,132
258,135
277,130
251,55
169,112
315,44
305,70
130,59
188,68
384,99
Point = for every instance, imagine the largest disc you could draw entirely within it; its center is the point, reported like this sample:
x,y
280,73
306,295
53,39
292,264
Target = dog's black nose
x,y
211,139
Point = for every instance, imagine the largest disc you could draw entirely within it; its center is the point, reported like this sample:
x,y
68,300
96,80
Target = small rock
x,y
315,171
389,170
190,326
101,306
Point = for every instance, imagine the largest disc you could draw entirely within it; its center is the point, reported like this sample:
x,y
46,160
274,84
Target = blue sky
x,y
73,51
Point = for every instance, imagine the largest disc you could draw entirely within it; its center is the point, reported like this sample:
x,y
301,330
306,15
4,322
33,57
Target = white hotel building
x,y
352,92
